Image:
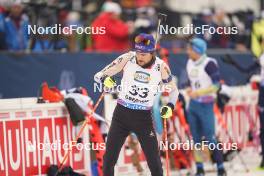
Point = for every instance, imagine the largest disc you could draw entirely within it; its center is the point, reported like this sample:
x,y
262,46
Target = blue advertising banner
x,y
21,74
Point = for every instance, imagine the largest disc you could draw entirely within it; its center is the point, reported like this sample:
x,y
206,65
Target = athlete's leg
x,y
193,119
195,126
149,144
115,139
208,126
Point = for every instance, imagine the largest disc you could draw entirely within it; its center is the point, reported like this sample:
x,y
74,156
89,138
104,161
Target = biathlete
x,y
143,74
204,77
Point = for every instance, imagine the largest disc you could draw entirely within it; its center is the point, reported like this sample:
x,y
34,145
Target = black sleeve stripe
x,y
167,80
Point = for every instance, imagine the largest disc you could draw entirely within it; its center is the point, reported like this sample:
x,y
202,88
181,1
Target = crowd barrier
x,y
31,136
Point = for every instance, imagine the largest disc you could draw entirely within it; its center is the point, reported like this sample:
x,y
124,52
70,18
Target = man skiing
x,y
143,73
204,77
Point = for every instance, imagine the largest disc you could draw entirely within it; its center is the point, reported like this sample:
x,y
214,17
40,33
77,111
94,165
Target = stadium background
x,y
71,60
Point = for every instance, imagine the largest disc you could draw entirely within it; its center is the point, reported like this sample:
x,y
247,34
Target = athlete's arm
x,y
169,84
115,67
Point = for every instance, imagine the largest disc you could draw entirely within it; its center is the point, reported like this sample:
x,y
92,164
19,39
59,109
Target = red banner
x,y
30,143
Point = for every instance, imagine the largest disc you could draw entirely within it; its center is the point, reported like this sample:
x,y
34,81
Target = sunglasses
x,y
141,39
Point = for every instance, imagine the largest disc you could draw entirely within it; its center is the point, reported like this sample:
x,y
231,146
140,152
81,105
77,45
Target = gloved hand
x,y
166,111
109,82
106,80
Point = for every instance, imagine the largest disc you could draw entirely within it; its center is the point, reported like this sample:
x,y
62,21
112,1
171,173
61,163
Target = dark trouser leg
x,y
207,118
196,131
115,140
149,144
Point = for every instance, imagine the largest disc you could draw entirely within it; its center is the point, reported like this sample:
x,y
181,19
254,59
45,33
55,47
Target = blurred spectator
x,y
257,37
206,18
43,43
116,37
220,20
50,42
243,21
15,28
142,3
73,18
215,21
140,16
146,20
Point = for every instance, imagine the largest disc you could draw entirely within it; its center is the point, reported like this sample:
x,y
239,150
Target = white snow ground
x,y
234,167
